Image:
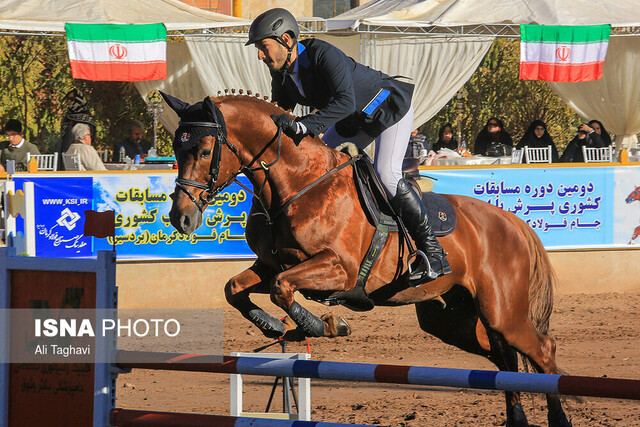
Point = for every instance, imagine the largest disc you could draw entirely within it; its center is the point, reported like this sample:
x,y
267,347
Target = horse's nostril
x,y
186,221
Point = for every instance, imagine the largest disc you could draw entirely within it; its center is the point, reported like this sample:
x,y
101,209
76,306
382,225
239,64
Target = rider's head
x,y
274,33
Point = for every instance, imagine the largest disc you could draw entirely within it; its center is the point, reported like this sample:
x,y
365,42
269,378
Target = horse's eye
x,y
205,154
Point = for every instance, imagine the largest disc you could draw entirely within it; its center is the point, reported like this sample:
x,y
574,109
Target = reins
x,y
214,169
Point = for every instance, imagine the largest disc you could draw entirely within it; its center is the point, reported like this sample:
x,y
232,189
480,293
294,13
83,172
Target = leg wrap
x,y
269,325
310,324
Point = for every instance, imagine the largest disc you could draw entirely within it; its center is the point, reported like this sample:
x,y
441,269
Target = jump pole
x,y
394,374
129,417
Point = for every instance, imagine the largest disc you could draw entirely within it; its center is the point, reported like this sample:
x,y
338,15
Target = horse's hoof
x,y
336,326
294,335
517,417
559,420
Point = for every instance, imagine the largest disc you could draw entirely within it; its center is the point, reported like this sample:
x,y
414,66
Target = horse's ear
x,y
209,108
173,102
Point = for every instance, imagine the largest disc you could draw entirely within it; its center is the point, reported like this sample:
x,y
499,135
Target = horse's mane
x,y
256,103
250,97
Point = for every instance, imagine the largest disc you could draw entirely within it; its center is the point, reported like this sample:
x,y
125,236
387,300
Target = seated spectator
x,y
16,148
598,128
586,137
89,158
133,144
537,136
77,112
417,142
493,137
445,139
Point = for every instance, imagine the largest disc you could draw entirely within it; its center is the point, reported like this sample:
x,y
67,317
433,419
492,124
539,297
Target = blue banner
x,y
567,207
59,215
143,231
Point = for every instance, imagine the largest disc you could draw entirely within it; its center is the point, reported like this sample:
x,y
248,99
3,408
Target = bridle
x,y
214,168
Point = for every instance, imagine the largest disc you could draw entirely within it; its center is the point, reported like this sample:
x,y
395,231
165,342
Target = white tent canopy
x,y
43,16
448,13
612,99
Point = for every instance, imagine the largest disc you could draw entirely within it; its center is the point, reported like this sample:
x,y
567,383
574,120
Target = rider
x,y
354,103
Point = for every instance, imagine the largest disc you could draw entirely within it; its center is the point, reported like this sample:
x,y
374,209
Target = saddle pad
x,y
442,216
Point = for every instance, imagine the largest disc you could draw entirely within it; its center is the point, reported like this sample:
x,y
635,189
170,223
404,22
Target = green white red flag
x,y
557,53
111,52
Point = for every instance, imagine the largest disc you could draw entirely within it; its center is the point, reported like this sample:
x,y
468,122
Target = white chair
x,y
516,156
603,154
71,162
537,155
46,162
104,155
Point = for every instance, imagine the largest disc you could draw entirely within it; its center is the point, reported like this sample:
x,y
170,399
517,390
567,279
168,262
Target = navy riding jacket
x,y
346,94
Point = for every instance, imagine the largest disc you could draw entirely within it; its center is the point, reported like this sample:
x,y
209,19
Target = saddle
x,y
375,203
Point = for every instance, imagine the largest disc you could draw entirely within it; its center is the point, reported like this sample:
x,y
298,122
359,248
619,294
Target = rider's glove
x,y
291,128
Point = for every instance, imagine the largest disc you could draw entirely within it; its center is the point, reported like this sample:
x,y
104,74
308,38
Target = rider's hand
x,y
290,127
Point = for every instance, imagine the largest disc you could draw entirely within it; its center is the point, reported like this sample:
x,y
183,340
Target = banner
x,y
143,229
569,208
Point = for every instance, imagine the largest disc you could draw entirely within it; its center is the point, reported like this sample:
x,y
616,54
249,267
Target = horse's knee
x,y
281,294
231,291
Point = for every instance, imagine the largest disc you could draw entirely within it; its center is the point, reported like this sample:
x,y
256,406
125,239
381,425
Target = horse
x,y
634,195
310,233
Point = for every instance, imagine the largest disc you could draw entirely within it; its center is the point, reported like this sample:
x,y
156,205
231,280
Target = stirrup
x,y
424,273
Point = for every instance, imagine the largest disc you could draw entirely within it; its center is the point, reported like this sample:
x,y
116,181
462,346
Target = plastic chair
x,y
46,162
537,155
516,156
71,162
104,155
603,154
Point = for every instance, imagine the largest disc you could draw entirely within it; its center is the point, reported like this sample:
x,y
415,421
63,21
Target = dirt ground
x,y
596,335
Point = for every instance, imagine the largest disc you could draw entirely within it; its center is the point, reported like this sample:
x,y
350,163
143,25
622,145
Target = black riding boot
x,y
409,207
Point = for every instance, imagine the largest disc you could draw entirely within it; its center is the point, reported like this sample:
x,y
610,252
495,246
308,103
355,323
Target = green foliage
x,y
495,90
34,78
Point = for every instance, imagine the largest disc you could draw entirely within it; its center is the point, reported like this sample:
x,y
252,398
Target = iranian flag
x,y
117,52
558,53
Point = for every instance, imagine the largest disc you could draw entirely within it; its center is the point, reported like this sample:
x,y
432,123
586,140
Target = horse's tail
x,y
542,280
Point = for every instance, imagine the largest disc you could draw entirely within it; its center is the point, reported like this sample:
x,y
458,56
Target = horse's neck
x,y
296,166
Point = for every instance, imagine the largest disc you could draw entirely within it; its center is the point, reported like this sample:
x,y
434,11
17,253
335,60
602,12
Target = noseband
x,y
214,168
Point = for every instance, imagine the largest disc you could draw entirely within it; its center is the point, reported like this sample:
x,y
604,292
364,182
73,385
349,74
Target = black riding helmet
x,y
273,24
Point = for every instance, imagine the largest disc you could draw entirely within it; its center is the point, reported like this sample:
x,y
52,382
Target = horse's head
x,y
198,146
634,195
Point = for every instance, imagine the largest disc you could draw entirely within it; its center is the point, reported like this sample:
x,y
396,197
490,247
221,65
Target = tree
x,y
495,90
35,77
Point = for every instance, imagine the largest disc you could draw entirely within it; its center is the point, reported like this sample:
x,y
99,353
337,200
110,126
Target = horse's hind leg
x,y
505,358
540,350
323,272
254,280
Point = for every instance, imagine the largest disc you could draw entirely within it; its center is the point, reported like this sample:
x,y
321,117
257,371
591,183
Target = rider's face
x,y
271,53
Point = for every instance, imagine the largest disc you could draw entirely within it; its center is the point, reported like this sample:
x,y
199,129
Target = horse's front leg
x,y
322,272
255,279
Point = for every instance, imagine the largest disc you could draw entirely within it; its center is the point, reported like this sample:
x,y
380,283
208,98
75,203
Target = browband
x,y
199,124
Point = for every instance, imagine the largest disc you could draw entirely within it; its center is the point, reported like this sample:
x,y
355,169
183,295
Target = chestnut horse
x,y
496,303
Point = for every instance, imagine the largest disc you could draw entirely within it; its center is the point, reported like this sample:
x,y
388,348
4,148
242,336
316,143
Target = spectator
x,y
538,136
446,139
16,148
77,112
133,144
598,128
89,157
586,137
417,142
493,136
